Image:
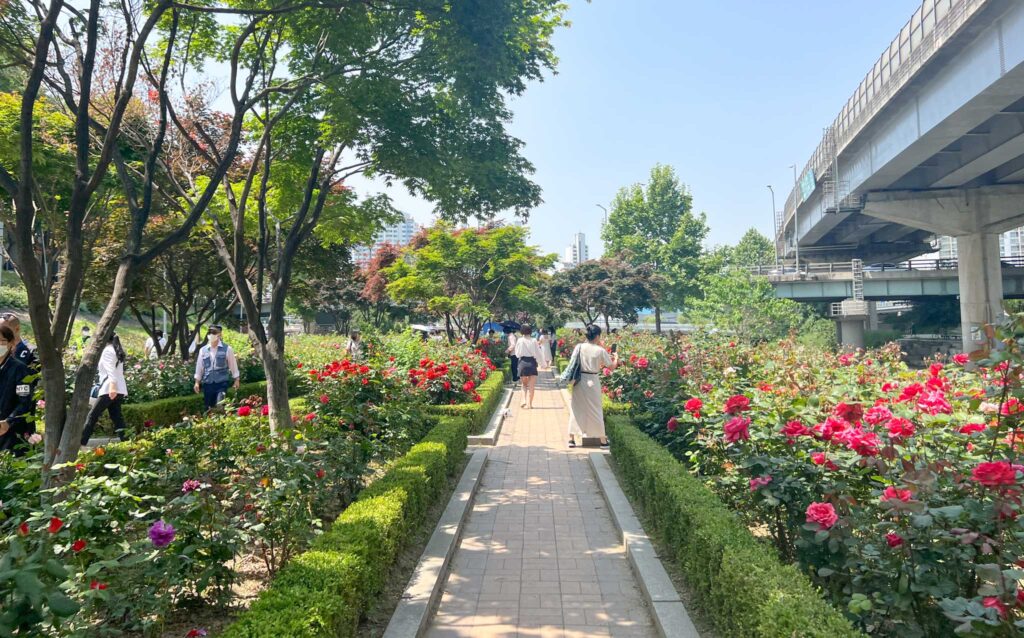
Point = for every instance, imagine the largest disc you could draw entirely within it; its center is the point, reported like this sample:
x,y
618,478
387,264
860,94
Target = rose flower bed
x,y
160,522
897,492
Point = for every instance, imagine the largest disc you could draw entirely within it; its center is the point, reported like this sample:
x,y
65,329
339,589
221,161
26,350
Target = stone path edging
x,y
493,430
414,609
670,614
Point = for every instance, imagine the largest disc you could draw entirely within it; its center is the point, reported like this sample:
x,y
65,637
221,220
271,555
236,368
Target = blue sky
x,y
729,92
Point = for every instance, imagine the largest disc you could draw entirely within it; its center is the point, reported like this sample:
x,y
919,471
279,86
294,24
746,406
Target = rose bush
x,y
898,491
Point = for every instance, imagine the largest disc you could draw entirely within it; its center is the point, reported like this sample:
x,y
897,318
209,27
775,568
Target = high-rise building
x,y
576,253
1011,244
399,234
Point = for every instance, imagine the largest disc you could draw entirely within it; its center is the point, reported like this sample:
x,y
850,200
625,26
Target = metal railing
x,y
917,42
848,267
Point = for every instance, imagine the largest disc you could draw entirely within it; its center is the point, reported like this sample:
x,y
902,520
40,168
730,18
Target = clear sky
x,y
729,92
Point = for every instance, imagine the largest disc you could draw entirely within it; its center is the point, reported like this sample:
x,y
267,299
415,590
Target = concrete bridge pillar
x,y
981,287
851,332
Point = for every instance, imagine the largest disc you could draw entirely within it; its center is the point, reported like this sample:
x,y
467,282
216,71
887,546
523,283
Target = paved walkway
x,y
539,555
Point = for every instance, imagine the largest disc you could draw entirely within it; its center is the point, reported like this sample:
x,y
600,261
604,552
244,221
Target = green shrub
x,y
325,591
740,580
478,414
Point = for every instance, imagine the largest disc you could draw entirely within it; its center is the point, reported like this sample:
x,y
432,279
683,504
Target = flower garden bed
x,y
897,493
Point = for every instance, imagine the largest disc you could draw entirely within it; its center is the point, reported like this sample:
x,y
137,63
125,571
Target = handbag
x,y
573,373
94,393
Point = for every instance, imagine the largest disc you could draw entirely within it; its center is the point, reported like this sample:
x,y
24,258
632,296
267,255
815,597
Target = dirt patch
x,y
700,616
378,616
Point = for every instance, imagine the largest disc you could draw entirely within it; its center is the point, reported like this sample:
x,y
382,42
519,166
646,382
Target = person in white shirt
x,y
528,354
111,391
511,351
150,349
545,349
354,348
215,368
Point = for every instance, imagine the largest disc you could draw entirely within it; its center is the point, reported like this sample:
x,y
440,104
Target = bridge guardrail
x,y
847,266
918,40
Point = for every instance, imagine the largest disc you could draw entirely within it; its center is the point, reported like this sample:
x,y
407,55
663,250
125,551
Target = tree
x,y
743,304
608,287
465,276
753,249
654,224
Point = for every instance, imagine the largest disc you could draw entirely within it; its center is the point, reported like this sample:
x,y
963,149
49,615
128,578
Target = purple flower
x,y
161,534
190,485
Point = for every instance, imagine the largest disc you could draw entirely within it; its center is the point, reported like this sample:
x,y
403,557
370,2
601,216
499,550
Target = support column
x,y
981,287
851,332
873,315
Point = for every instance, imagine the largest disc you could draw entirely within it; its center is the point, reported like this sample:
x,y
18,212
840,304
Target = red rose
x,y
736,404
447,385
878,415
148,423
961,358
737,429
794,429
310,416
934,403
893,494
900,429
78,545
823,514
849,411
23,529
468,386
265,410
993,602
325,399
320,473
244,410
642,363
819,458
693,406
971,428
55,525
477,398
672,424
893,539
95,584
994,474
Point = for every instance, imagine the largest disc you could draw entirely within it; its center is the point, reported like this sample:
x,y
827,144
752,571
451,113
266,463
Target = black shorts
x,y
527,367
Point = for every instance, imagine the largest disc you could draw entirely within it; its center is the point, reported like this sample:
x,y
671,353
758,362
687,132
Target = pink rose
x,y
795,429
737,429
823,514
893,539
994,474
672,424
892,494
961,358
759,482
971,428
642,363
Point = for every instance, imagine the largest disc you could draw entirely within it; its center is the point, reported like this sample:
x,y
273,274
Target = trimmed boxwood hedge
x,y
478,414
164,412
744,585
324,591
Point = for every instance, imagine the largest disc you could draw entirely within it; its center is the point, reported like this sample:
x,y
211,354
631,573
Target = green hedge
x,y
324,591
164,412
742,582
478,414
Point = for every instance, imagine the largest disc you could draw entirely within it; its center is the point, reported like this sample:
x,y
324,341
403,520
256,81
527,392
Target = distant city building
x,y
576,253
399,234
1011,244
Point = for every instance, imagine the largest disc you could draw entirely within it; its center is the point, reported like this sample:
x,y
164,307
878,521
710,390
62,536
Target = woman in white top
x,y
528,353
586,414
545,349
354,347
112,390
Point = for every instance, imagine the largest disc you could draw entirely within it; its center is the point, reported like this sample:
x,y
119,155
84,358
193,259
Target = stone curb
x,y
668,610
413,611
490,435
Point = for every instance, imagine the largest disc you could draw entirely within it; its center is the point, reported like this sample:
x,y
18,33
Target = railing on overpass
x,y
934,22
847,266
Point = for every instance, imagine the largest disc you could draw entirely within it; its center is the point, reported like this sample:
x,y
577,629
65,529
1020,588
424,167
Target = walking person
x,y
15,397
156,345
586,414
554,342
528,353
512,358
111,391
216,366
23,350
544,343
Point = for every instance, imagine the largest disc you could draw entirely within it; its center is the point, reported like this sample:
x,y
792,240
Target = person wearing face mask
x,y
15,397
111,391
216,366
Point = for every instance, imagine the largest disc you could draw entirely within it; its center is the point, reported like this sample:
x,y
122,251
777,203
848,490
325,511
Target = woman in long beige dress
x,y
586,414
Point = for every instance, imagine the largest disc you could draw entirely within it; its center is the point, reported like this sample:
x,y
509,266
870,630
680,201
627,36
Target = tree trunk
x,y
657,319
607,325
276,369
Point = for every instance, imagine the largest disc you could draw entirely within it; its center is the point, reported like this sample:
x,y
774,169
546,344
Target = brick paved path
x,y
539,555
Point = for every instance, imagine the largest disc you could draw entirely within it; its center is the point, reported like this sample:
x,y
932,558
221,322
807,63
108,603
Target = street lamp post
x,y
605,220
775,225
796,220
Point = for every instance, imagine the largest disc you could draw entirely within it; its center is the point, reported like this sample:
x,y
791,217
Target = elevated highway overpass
x,y
931,142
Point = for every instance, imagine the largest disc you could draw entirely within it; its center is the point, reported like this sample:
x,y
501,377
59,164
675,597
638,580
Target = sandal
x,y
572,443
604,445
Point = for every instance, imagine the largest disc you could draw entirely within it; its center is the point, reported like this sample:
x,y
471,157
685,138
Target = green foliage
x,y
654,224
745,306
465,276
749,591
609,286
477,414
324,592
753,249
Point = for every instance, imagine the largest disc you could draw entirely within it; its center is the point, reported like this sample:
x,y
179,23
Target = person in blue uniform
x,y
216,367
15,397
